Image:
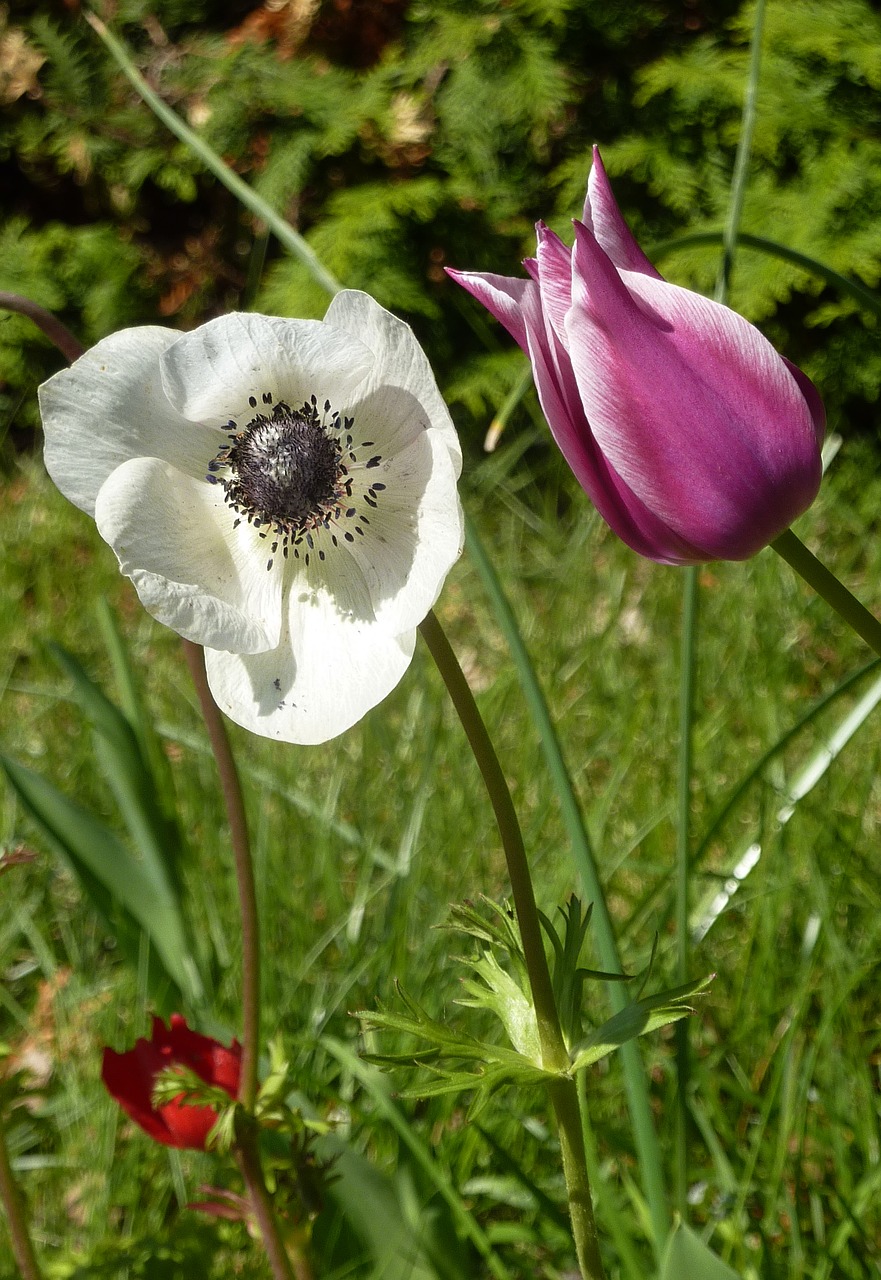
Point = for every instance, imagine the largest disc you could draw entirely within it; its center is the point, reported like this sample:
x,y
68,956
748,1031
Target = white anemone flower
x,y
282,492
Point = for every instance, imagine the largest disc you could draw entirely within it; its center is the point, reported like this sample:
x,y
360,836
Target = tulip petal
x,y
693,408
816,408
554,275
211,374
192,569
501,295
604,218
561,404
110,406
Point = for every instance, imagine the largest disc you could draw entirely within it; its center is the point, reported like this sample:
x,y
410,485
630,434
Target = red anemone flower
x,y
130,1078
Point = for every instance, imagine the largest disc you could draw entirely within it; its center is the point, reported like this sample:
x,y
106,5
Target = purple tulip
x,y
693,438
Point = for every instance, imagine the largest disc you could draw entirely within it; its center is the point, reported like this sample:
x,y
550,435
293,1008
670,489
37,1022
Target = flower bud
x,y
693,438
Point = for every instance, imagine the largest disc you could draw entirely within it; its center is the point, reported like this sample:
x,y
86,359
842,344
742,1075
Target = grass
x,y
363,843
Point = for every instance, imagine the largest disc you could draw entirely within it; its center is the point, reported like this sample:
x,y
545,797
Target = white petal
x,y
110,406
210,374
328,671
193,571
400,361
412,536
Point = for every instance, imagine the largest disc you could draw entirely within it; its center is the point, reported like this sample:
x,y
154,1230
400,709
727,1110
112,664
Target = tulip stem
x,y
241,846
13,1203
825,583
555,1056
685,770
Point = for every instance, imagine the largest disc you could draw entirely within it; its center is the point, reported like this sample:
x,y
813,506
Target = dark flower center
x,y
286,469
289,474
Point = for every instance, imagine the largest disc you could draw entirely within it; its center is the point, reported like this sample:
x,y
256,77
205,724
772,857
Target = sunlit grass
x,y
362,844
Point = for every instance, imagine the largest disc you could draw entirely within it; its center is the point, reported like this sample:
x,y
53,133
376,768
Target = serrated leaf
x,y
688,1258
637,1019
449,1043
500,993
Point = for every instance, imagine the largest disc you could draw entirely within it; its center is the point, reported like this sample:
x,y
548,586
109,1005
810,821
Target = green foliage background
x,y
401,137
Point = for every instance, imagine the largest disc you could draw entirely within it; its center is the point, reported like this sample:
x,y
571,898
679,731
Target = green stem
x,y
564,1099
825,583
512,400
635,1082
241,846
852,288
554,1053
13,1203
685,770
741,161
555,1056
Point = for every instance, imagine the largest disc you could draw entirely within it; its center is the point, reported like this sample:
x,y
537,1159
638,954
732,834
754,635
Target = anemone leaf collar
x,y
280,491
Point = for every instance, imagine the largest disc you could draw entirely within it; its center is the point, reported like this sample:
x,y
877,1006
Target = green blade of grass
x,y
281,229
868,300
135,712
757,769
807,777
120,890
688,1258
682,895
155,838
119,755
376,1086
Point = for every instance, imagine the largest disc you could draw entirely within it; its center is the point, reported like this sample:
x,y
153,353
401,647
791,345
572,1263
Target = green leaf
x,y
108,872
688,1258
132,705
637,1019
432,1169
155,837
503,997
122,763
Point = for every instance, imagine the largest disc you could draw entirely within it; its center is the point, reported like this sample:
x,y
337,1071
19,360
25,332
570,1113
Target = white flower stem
x,y
555,1057
55,331
241,845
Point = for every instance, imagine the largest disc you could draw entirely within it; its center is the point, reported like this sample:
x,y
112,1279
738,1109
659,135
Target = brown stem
x,y
241,846
69,346
11,1199
249,1164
